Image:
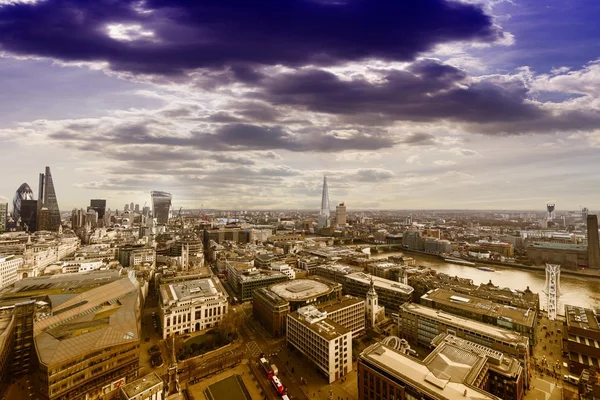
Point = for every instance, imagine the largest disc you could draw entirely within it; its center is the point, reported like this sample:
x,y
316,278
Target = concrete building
x,y
457,369
244,279
340,215
149,387
324,342
581,339
420,325
191,306
9,265
522,321
3,216
137,256
284,268
391,294
567,255
236,235
85,337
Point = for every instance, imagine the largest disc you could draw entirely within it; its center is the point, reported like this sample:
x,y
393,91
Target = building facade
x,y
24,192
137,256
245,279
161,206
391,295
47,199
324,342
191,306
581,338
3,216
9,266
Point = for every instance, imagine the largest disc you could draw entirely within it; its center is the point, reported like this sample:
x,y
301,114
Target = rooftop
x,y
141,385
188,290
300,289
486,330
318,322
263,275
442,377
380,283
559,246
579,317
334,305
481,306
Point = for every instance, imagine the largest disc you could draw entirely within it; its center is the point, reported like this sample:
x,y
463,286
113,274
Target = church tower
x,y
372,308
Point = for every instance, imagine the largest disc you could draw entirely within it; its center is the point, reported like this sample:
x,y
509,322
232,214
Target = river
x,y
583,292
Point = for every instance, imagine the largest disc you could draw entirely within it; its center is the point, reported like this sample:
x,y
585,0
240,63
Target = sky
x,y
427,104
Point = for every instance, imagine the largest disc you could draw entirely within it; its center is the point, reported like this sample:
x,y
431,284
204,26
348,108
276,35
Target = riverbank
x,y
539,268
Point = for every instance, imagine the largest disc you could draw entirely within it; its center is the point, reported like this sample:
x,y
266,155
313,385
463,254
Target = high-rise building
x,y
161,205
29,215
98,205
3,216
126,207
131,206
340,214
137,208
324,215
593,243
44,221
24,192
47,199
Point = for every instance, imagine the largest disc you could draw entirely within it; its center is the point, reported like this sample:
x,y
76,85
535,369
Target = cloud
x,y
373,175
169,37
444,163
419,139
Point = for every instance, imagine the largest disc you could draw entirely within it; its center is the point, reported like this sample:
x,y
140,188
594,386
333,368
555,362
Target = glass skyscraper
x,y
161,204
24,192
47,199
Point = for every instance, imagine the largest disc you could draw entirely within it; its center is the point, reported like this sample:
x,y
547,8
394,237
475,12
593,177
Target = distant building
x,y
191,306
24,192
324,214
3,216
29,215
161,206
148,387
47,199
324,342
340,214
245,278
8,269
98,205
391,295
593,243
137,256
236,235
567,255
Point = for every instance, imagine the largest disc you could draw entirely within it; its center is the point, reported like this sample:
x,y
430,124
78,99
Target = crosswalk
x,y
253,348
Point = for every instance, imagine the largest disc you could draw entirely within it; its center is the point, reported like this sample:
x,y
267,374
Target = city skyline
x,y
447,105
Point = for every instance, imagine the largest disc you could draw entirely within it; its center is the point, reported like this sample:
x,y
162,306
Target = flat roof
x,y
443,378
490,331
141,385
580,317
334,305
559,246
263,275
319,323
380,283
186,290
300,289
478,305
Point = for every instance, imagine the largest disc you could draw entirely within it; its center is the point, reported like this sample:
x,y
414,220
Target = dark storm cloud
x,y
239,34
419,139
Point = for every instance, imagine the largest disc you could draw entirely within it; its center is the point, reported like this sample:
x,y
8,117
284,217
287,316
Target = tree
x,y
229,326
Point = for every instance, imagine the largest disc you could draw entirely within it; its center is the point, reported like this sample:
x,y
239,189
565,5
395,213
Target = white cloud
x,y
444,163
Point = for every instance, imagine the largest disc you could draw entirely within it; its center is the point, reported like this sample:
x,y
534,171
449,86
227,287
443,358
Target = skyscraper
x,y
98,205
340,214
29,215
3,216
47,199
161,204
324,215
24,192
593,243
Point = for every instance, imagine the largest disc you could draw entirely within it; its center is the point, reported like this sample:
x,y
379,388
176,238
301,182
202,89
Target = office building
x,y
3,216
324,214
29,215
593,243
148,387
419,324
455,370
246,278
24,192
391,295
8,269
44,219
522,321
191,306
161,206
47,199
589,384
137,256
581,341
324,342
272,304
236,235
86,333
98,205
340,214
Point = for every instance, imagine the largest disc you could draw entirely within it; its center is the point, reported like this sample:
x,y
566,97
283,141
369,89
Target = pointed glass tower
x,y
324,215
47,199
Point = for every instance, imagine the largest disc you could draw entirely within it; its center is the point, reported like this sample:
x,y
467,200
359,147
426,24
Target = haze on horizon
x,y
433,104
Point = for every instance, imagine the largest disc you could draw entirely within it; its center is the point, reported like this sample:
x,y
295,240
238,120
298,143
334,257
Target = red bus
x,y
278,386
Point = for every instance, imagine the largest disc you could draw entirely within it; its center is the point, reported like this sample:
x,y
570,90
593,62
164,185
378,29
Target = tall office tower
x,y
3,216
98,205
161,204
340,214
29,214
550,209
137,208
77,218
24,192
593,243
146,211
47,198
126,208
584,214
44,219
324,215
131,206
